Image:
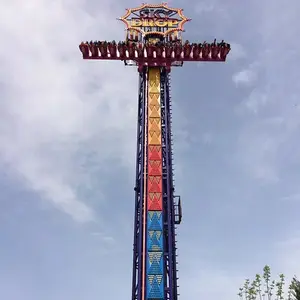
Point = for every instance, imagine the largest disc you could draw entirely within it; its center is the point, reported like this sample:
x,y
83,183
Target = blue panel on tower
x,y
156,268
155,288
155,263
155,274
154,220
155,241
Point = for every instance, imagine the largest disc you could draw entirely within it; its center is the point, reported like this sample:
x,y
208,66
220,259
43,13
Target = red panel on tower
x,y
154,152
155,205
154,187
156,179
154,201
154,167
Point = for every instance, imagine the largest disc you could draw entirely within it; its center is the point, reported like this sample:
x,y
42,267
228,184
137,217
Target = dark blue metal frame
x,y
168,191
175,216
139,191
172,210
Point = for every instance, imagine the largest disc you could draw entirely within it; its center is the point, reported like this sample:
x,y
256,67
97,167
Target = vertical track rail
x,y
145,195
139,191
171,185
168,191
168,276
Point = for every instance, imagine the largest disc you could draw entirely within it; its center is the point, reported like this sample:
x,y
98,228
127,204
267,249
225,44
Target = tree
x,y
264,288
295,288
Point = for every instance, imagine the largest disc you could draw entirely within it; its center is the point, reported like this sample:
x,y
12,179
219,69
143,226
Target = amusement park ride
x,y
154,44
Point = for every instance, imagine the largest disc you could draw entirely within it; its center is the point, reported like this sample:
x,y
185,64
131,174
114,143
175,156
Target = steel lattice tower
x,y
154,44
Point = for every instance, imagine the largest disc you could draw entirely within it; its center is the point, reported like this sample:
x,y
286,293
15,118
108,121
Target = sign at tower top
x,y
159,19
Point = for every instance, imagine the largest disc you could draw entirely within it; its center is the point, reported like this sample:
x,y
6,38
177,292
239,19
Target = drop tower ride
x,y
154,44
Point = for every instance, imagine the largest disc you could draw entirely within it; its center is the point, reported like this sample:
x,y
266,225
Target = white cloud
x,y
261,144
237,52
245,77
253,103
213,284
287,255
204,7
292,197
207,138
258,150
55,127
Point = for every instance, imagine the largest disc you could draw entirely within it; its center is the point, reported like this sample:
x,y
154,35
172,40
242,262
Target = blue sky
x,y
67,150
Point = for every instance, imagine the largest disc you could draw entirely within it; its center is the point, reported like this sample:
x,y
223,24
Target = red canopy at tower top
x,y
159,54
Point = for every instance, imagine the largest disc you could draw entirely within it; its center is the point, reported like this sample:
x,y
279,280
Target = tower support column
x,y
139,191
155,275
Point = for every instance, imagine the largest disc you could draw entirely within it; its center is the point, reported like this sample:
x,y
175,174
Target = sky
x,y
67,150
